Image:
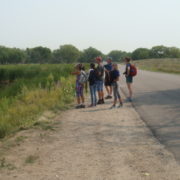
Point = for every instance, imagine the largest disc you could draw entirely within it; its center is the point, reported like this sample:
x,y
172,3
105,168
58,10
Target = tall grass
x,y
30,90
161,65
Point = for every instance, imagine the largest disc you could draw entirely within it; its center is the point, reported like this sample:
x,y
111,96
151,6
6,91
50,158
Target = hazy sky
x,y
103,24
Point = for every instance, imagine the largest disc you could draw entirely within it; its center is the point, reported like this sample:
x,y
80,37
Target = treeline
x,y
70,54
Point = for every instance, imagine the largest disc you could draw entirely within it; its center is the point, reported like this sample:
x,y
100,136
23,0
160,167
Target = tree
x,y
11,55
38,55
141,53
159,52
66,54
173,52
89,54
118,55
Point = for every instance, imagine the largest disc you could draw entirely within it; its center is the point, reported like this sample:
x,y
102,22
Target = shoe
x,y
82,106
91,105
108,97
112,107
129,99
120,105
102,101
78,106
99,101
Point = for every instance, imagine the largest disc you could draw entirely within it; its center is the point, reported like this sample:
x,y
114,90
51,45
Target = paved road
x,y
157,100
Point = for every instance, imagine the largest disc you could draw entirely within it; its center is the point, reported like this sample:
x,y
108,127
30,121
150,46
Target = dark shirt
x,y
92,77
108,67
114,75
127,66
100,72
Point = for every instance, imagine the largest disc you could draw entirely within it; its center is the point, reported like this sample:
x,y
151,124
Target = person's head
x,y
109,60
92,66
127,60
115,66
80,67
98,60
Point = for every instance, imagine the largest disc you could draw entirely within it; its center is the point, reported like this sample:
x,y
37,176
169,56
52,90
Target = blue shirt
x,y
108,66
114,75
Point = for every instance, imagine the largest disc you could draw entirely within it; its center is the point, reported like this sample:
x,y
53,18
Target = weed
x,y
31,159
4,164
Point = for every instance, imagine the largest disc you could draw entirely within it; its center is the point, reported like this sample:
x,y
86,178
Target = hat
x,y
99,58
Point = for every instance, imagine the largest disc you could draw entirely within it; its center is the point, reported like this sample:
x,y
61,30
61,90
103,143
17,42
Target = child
x,y
114,83
92,84
79,86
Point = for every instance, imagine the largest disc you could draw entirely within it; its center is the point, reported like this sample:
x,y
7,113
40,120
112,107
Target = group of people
x,y
99,76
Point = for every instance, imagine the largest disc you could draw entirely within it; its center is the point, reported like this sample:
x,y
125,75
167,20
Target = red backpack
x,y
133,70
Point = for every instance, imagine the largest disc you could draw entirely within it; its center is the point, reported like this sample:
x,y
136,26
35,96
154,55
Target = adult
x,y
99,82
129,78
107,83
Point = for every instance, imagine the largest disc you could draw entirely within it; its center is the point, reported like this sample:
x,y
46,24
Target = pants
x,y
93,94
116,93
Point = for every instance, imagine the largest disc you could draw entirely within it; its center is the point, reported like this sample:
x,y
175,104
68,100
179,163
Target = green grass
x,y
32,90
160,65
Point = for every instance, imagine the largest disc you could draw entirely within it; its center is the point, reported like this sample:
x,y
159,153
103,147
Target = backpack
x,y
83,77
133,70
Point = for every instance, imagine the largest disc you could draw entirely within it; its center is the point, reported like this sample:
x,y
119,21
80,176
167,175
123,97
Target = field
x,y
28,90
161,65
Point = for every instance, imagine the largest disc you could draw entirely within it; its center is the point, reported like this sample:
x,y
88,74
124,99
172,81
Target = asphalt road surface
x,y
157,100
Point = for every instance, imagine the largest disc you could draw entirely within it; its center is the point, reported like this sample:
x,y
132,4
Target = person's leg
x,y
110,91
102,92
78,100
91,93
94,95
119,97
129,85
114,94
107,89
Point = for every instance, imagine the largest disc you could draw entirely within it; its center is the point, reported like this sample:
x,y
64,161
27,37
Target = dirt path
x,y
88,144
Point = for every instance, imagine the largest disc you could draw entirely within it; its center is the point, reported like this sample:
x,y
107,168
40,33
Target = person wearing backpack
x,y
80,80
92,84
130,72
100,80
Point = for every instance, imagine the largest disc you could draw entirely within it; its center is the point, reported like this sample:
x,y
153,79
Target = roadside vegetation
x,y
70,54
28,90
161,65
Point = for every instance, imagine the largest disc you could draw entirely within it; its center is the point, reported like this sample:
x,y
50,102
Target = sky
x,y
103,24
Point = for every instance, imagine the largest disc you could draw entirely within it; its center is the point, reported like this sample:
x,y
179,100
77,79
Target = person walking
x,y
99,82
107,83
92,84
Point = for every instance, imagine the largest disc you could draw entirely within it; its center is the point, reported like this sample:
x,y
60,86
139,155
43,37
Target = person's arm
x,y
76,73
128,70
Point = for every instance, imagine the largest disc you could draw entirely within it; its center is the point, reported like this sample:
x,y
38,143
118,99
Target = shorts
x,y
99,85
129,79
79,90
107,83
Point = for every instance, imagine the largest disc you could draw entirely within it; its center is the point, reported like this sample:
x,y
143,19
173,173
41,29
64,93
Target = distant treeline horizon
x,y
70,54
